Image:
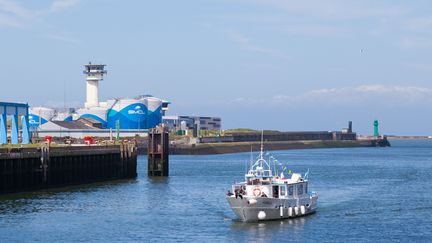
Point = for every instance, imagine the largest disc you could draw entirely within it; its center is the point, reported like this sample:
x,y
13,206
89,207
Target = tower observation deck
x,y
95,73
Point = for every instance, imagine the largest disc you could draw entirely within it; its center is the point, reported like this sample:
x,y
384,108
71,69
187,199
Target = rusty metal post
x,y
158,151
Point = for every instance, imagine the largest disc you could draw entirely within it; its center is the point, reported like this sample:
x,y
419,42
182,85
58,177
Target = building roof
x,y
14,104
73,125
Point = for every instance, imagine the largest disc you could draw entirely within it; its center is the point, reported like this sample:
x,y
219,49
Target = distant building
x,y
139,113
204,122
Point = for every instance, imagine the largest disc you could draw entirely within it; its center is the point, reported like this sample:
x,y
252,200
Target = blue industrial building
x,y
139,113
16,111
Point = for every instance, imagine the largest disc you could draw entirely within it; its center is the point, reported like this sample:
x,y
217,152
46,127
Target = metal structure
x,y
16,111
158,151
376,133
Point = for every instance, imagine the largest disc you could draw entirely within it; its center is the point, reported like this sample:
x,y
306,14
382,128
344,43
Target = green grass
x,y
240,130
246,131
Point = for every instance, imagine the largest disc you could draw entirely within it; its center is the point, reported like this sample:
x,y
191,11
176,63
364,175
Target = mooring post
x,y
45,156
158,151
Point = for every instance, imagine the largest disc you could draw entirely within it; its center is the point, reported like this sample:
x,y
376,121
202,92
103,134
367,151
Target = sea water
x,y
365,194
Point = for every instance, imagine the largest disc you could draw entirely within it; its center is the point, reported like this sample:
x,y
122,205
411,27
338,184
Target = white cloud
x,y
62,37
13,8
9,21
418,66
419,24
416,43
60,5
286,23
247,44
13,14
375,94
324,18
336,8
318,30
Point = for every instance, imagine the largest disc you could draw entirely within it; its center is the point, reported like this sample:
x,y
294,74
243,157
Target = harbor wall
x,y
281,136
223,148
240,147
28,169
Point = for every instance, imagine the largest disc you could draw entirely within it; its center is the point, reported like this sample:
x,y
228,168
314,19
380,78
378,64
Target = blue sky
x,y
264,64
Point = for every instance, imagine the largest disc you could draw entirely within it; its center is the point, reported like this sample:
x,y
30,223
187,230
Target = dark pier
x,y
28,169
158,152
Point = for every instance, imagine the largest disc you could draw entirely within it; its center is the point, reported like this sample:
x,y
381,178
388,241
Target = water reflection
x,y
267,229
50,200
190,205
158,180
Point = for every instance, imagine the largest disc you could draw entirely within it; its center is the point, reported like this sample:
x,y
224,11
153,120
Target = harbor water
x,y
365,194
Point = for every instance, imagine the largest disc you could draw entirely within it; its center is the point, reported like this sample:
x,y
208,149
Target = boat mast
x,y
251,160
261,154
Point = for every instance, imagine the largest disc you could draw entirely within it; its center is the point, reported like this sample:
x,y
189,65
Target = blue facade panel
x,y
154,118
68,118
133,116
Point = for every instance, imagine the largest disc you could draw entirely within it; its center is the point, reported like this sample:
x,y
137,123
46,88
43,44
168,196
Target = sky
x,y
265,64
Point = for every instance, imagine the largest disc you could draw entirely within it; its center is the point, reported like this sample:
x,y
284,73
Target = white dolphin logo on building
x,y
136,111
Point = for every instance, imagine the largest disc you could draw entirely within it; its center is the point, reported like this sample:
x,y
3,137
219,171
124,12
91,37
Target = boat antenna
x,y
262,139
251,158
261,154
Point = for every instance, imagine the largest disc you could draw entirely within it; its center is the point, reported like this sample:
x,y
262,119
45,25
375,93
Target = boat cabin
x,y
272,187
296,190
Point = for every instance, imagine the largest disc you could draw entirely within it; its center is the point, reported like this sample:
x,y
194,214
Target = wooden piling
x,y
158,152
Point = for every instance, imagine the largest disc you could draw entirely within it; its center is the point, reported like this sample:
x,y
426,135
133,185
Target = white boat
x,y
264,196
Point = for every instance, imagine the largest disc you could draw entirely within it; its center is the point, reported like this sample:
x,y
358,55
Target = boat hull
x,y
252,209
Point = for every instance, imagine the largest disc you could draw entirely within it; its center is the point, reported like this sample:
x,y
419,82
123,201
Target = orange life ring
x,y
255,190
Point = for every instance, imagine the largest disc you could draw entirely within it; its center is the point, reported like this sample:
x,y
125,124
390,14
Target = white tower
x,y
95,73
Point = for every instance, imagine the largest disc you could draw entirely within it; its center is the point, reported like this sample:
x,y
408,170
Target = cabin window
x,y
275,191
290,190
282,190
306,188
300,189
